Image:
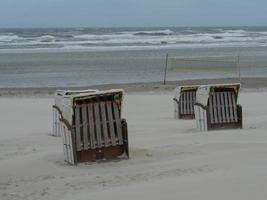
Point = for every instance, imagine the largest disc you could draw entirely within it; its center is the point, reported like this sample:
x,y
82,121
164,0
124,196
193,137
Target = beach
x,y
169,158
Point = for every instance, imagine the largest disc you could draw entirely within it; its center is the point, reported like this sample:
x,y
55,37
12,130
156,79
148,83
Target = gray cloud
x,y
99,13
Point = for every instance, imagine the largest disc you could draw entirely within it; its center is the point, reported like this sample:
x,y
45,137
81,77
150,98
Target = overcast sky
x,y
109,13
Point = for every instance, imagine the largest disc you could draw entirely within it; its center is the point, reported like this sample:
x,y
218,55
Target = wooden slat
x,y
78,128
86,144
211,107
104,123
70,146
190,102
219,107
215,108
118,122
111,123
223,107
97,124
182,103
67,144
231,106
176,109
57,124
204,120
187,103
197,115
91,126
234,107
185,106
54,122
227,110
65,150
200,119
194,100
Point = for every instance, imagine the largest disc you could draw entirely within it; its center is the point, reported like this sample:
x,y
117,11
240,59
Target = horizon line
x,y
103,27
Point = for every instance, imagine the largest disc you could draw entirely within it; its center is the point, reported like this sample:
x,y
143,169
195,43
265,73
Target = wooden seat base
x,y
186,116
106,153
228,125
100,154
225,126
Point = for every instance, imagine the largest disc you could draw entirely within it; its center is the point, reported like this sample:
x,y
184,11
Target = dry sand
x,y
169,159
247,84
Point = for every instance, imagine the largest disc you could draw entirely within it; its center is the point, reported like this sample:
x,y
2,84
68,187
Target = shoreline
x,y
247,84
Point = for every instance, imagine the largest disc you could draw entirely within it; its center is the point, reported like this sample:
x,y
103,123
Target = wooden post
x,y
165,70
238,68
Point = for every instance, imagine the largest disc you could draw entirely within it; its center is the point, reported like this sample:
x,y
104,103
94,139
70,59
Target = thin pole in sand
x,y
165,70
238,68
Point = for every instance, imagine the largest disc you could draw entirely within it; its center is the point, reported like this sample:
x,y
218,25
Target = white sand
x,y
169,159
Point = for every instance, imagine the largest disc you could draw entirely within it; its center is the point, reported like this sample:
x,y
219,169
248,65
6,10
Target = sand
x,y
248,84
169,159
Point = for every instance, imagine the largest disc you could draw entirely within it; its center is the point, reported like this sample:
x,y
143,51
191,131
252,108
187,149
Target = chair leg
x,y
125,136
239,116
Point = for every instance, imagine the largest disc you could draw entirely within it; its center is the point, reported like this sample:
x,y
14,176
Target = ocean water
x,y
90,56
97,39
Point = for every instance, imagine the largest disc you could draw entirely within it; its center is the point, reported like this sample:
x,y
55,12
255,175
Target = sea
x,y
64,57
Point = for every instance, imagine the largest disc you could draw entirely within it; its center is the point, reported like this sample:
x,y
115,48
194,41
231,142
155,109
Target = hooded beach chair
x,y
91,125
184,100
62,98
216,107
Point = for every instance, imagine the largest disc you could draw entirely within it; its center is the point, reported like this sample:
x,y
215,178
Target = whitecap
x,y
8,38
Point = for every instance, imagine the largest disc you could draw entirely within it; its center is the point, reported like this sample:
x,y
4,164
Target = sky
x,y
132,13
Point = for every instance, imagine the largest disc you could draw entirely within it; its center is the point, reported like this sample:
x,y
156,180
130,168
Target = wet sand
x,y
255,84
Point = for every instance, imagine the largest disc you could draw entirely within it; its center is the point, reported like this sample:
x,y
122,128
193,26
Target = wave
x,y
100,37
155,33
130,38
75,48
126,34
8,38
47,38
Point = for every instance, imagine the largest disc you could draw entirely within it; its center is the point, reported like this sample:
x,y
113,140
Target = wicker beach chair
x,y
216,107
91,126
183,101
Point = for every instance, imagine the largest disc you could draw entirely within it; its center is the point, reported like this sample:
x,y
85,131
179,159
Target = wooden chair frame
x,y
97,131
184,102
221,111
